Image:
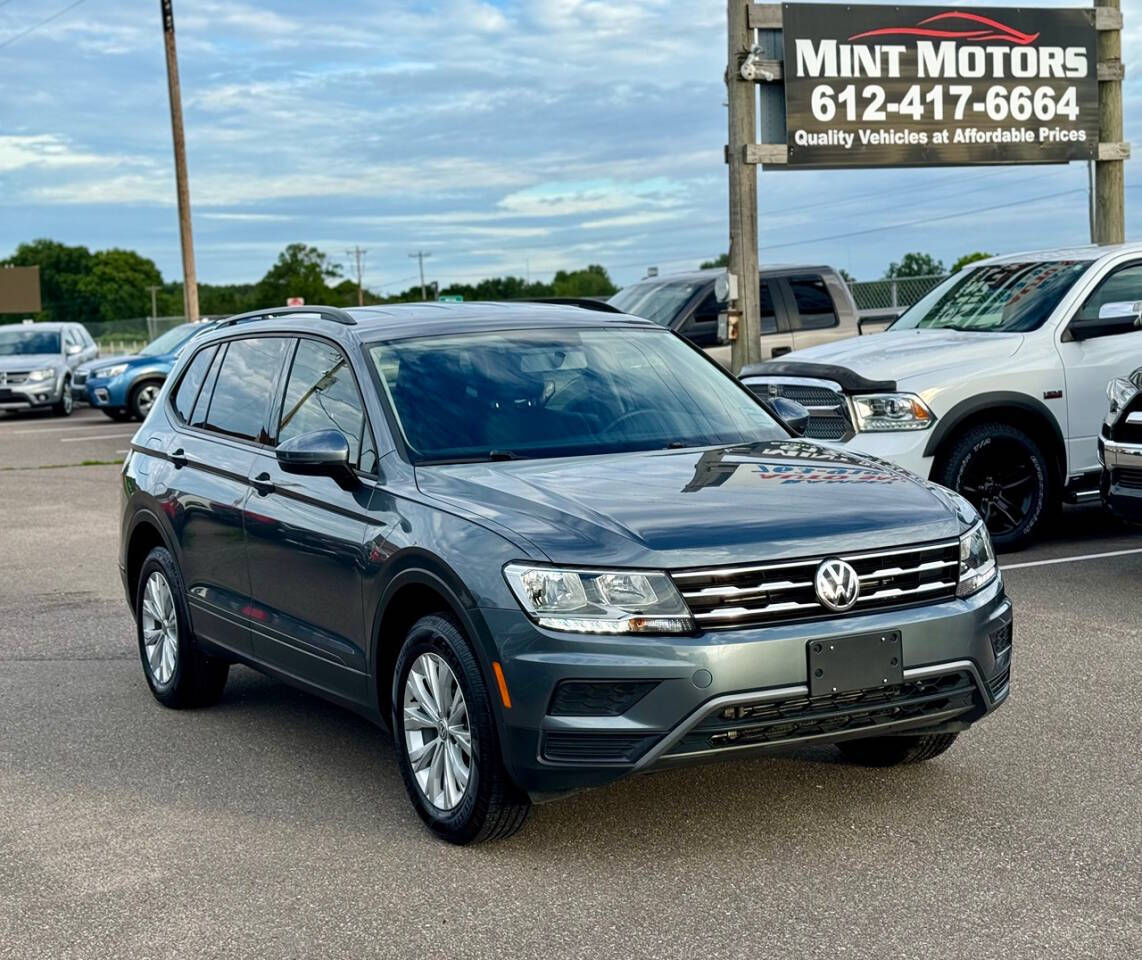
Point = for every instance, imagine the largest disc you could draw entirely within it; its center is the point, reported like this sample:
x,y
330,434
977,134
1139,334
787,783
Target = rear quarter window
x,y
191,382
815,307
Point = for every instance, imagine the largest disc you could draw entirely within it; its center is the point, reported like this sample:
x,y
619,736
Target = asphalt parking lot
x,y
276,825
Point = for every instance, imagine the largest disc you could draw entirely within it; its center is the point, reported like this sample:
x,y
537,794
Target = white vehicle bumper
x,y
904,449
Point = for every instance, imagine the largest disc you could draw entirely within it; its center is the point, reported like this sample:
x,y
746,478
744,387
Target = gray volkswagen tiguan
x,y
546,547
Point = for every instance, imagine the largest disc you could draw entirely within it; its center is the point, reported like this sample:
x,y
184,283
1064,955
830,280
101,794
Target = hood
x,y
912,354
31,361
128,358
679,508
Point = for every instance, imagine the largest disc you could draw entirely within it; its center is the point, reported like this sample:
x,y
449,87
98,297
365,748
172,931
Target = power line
x,y
36,26
924,220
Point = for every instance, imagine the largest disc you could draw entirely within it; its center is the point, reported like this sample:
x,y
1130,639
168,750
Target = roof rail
x,y
586,303
325,313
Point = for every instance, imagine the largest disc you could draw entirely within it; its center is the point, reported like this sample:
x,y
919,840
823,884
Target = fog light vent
x,y
1001,639
597,698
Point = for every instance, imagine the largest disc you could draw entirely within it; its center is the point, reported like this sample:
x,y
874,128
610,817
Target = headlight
x,y
46,374
105,373
599,601
977,561
881,412
1120,392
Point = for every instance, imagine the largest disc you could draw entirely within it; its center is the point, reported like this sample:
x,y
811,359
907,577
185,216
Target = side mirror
x,y
792,414
1113,318
320,453
74,349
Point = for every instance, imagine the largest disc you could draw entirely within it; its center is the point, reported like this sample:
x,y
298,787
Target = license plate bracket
x,y
848,664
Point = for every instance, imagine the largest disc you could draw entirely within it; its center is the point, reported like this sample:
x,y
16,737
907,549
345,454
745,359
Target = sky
x,y
516,136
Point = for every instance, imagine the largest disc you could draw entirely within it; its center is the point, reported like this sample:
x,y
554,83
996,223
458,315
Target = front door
x,y
1089,365
309,537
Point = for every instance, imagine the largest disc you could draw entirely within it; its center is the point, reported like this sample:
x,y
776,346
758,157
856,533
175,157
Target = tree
x,y
968,258
594,281
117,282
723,260
61,269
915,265
300,271
846,276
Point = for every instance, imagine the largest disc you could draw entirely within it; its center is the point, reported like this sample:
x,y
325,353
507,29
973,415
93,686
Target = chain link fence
x,y
892,294
129,336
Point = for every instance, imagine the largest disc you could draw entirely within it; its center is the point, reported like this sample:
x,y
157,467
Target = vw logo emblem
x,y
837,584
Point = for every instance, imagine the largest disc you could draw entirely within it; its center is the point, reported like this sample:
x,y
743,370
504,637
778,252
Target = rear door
x,y
220,407
1089,365
814,317
306,535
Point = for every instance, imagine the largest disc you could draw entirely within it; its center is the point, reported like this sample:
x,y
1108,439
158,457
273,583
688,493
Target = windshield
x,y
170,341
21,342
659,301
1003,297
554,393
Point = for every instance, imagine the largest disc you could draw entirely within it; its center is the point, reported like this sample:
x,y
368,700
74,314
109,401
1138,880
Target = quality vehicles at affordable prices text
x,y
548,547
994,384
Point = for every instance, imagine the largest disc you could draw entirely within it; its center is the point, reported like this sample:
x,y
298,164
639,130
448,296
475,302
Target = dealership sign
x,y
891,86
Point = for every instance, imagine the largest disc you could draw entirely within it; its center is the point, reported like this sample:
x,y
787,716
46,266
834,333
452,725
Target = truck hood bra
x,y
679,508
906,354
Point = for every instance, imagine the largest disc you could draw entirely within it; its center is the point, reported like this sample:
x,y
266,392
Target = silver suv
x,y
37,364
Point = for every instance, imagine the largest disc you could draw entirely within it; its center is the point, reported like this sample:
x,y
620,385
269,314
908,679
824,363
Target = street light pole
x,y
420,255
189,279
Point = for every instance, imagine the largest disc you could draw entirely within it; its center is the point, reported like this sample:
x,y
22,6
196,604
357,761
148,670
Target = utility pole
x,y
154,306
420,255
1109,175
744,313
189,280
359,255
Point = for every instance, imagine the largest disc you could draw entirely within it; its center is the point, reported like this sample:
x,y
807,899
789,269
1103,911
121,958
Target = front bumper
x,y
29,395
1121,484
904,448
103,393
762,671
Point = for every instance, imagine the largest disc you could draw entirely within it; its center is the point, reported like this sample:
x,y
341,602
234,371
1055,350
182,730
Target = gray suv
x,y
545,547
37,364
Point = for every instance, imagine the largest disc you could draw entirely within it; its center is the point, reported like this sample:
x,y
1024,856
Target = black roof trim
x,y
850,382
587,303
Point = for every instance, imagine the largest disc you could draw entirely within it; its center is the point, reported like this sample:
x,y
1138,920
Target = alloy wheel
x,y
160,628
146,399
437,734
1002,484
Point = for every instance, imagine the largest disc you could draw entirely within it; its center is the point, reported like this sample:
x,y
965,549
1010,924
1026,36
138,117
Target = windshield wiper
x,y
677,445
492,456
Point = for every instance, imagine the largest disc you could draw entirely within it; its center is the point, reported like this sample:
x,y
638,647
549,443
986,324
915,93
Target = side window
x,y
768,314
815,309
321,394
244,387
86,337
191,383
1124,284
202,404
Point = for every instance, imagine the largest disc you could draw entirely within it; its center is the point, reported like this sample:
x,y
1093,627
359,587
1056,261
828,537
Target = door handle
x,y
178,458
781,351
263,484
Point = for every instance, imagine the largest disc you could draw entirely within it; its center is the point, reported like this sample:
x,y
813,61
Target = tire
x,y
489,806
184,677
143,396
895,751
1004,473
66,403
118,414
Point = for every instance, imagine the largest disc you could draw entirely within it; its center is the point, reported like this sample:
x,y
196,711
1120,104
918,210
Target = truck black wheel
x,y
894,751
1006,476
177,672
446,738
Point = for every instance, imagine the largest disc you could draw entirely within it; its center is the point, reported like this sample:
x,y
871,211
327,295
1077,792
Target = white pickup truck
x,y
994,384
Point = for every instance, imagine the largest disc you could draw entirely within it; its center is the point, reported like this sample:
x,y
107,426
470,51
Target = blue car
x,y
125,387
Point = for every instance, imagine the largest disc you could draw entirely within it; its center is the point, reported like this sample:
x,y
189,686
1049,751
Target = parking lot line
x,y
94,436
74,428
1083,556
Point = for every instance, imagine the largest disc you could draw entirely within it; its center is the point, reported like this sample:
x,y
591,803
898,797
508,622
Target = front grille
x,y
575,747
828,412
1127,477
13,378
996,684
775,721
78,379
782,592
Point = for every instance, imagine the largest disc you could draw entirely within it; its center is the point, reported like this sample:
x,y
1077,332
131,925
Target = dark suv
x,y
547,547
